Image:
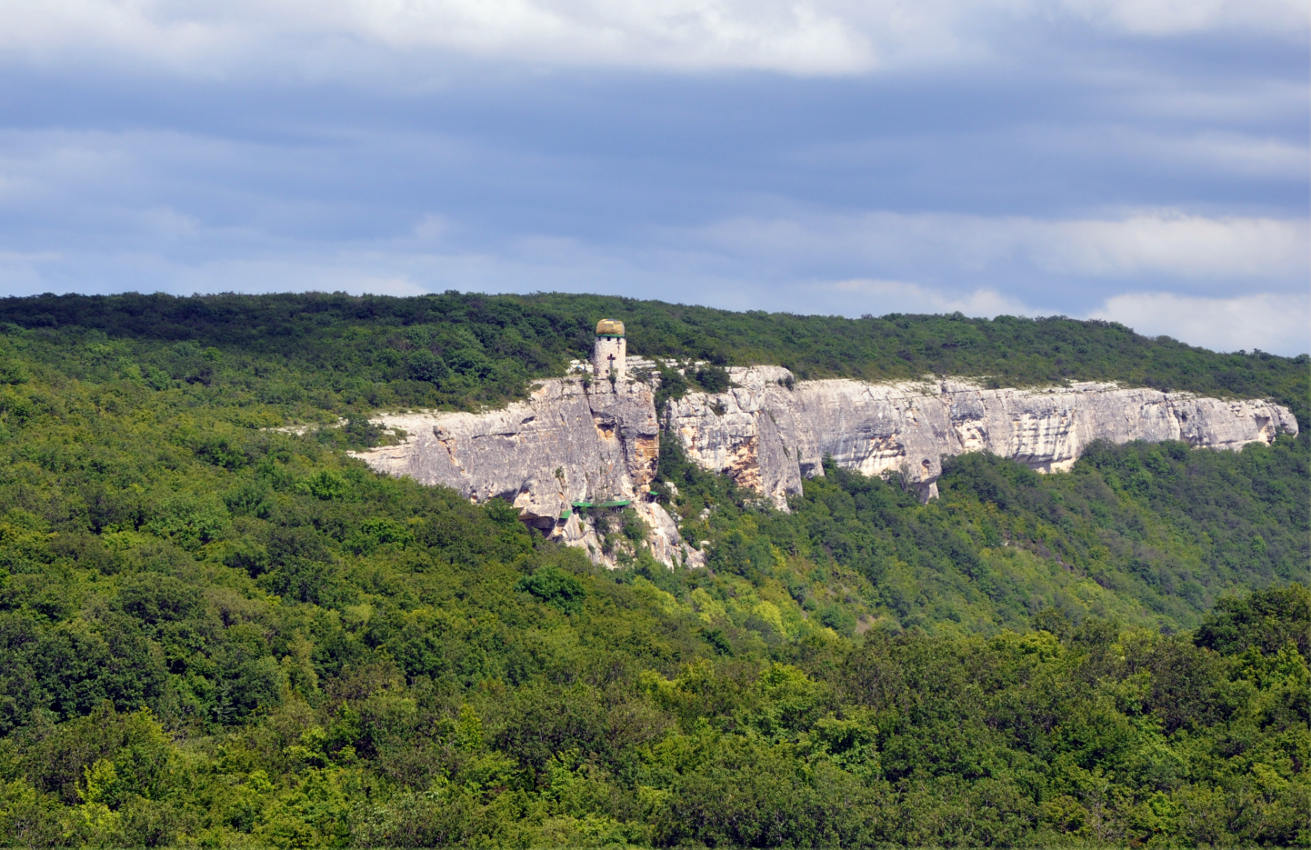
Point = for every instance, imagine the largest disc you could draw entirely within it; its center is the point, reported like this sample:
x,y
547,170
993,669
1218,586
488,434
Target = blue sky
x,y
1145,161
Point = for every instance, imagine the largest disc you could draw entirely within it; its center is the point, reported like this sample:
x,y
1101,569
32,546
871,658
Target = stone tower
x,y
610,350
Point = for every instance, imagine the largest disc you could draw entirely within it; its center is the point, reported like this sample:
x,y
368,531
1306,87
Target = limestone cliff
x,y
570,450
769,432
560,457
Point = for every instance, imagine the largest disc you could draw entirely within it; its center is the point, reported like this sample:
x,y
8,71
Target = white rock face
x,y
769,432
567,443
570,443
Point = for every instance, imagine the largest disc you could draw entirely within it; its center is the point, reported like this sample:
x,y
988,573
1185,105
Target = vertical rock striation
x,y
768,433
571,449
566,445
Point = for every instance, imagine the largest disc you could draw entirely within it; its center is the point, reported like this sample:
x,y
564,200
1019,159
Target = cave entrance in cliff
x,y
543,524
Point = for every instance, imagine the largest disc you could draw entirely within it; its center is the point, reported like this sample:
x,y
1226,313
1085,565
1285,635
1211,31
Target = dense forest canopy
x,y
460,349
216,630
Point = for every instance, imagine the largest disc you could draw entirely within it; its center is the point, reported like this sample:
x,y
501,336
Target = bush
x,y
554,587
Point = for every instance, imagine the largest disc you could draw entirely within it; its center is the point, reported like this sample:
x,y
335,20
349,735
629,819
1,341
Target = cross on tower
x,y
608,355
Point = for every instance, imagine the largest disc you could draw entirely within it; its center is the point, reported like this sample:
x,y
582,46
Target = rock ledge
x,y
770,432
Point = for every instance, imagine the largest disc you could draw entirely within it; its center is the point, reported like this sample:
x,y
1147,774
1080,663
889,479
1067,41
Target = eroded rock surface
x,y
567,444
769,432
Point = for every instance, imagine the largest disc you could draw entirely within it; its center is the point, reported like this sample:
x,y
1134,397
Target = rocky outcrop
x,y
572,454
560,457
768,432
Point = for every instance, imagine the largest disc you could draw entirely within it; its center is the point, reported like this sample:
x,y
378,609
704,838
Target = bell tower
x,y
610,350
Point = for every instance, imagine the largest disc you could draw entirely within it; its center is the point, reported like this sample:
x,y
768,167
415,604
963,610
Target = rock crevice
x,y
559,457
571,452
906,428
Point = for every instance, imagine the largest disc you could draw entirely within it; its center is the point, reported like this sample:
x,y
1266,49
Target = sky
x,y
1142,161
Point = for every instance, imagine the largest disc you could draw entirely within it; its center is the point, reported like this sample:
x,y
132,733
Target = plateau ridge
x,y
577,447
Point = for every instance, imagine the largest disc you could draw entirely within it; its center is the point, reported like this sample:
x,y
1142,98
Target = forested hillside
x,y
216,630
459,350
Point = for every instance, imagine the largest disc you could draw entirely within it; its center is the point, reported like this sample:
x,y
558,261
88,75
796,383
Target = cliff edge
x,y
566,456
576,453
768,432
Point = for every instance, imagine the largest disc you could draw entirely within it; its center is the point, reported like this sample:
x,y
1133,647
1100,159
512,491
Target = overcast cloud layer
x,y
1144,161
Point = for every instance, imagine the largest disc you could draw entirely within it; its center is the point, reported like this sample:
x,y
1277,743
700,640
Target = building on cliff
x,y
610,350
569,445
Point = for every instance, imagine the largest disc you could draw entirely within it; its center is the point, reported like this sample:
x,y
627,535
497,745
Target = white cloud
x,y
1172,243
1177,17
859,296
682,34
1182,246
400,286
1205,153
1157,96
34,162
21,272
1246,154
167,223
287,272
432,228
1278,323
806,37
45,32
801,38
